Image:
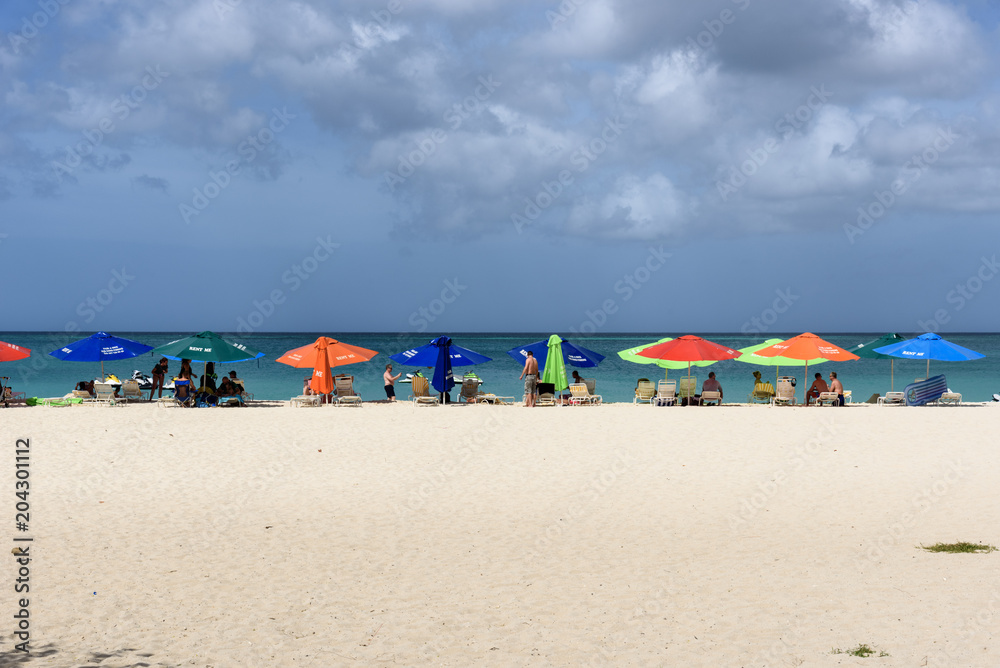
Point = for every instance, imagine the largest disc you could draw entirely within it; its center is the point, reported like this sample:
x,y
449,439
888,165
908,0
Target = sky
x,y
575,167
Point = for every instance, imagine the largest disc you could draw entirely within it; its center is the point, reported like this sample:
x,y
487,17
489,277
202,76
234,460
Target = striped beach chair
x,y
925,391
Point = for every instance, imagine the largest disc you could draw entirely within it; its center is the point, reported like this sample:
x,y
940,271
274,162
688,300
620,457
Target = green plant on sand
x,y
861,650
956,548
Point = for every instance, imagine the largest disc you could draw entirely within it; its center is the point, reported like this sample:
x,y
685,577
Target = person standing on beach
x,y
838,387
530,375
390,381
159,372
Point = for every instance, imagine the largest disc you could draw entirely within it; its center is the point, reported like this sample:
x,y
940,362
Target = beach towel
x,y
925,391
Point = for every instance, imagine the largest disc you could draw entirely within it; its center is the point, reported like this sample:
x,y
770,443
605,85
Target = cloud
x,y
152,182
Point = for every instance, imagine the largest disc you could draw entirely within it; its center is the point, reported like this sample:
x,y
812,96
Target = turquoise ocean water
x,y
45,376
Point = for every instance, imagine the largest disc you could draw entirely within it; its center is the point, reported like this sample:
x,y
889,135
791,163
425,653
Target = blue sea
x,y
44,376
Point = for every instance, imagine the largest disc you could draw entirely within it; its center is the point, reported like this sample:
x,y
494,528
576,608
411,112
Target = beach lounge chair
x,y
687,389
232,400
711,397
950,399
828,399
470,390
345,391
785,395
591,384
892,399
581,396
131,390
547,399
762,393
303,400
246,396
420,392
183,395
104,393
644,391
925,391
666,393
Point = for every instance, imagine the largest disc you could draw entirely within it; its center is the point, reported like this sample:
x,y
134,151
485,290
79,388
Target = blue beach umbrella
x,y
441,354
572,354
99,347
929,347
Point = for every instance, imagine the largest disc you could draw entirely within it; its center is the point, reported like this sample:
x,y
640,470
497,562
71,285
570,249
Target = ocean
x,y
44,376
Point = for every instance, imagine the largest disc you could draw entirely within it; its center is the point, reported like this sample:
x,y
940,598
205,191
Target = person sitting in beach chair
x,y
818,387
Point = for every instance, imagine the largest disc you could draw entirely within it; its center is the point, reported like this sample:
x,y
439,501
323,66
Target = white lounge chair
x,y
892,399
644,391
785,394
131,390
711,397
345,391
950,399
580,396
828,399
104,393
303,400
470,390
666,393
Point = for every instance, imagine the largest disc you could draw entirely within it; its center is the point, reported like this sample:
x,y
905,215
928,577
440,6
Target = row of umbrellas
x,y
552,355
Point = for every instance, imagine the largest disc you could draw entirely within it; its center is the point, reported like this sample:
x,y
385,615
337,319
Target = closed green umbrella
x,y
555,366
867,351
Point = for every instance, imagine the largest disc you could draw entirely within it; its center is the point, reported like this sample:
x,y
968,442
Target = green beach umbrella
x,y
867,351
777,362
207,347
555,366
632,355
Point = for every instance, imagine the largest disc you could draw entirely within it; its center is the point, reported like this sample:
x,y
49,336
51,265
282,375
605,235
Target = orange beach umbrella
x,y
807,346
321,356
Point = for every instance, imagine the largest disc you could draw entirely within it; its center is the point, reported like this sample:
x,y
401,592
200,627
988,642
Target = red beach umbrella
x,y
689,349
11,353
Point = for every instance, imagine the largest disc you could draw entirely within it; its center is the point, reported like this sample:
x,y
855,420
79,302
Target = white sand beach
x,y
503,536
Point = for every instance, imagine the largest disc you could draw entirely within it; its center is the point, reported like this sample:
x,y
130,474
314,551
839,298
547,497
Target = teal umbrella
x,y
207,347
867,351
555,366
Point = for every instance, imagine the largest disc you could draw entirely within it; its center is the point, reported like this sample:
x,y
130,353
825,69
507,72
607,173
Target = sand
x,y
503,536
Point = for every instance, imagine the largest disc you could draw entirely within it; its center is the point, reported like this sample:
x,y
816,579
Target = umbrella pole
x,y
892,375
928,374
805,390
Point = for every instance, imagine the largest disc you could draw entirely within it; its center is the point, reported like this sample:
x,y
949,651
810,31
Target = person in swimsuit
x,y
390,381
530,375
